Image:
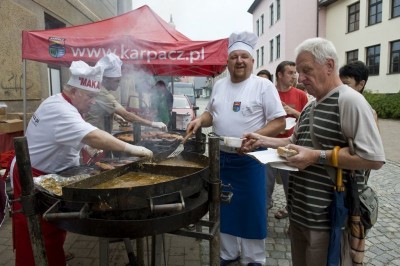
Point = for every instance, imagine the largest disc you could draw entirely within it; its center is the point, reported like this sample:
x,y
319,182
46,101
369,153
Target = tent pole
x,y
24,92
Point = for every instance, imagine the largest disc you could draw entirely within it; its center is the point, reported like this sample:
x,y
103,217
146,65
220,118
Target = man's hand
x,y
138,151
159,125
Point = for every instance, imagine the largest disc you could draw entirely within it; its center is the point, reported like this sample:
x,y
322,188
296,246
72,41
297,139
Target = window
x,y
258,58
262,24
54,79
258,27
395,57
353,17
262,55
278,9
351,56
374,12
278,46
271,50
373,57
271,14
395,8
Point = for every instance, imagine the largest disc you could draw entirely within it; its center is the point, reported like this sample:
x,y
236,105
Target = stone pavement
x,y
382,242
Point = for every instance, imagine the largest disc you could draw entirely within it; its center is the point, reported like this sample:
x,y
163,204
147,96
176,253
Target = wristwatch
x,y
322,157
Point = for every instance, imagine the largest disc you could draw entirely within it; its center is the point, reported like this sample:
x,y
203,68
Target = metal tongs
x,y
92,158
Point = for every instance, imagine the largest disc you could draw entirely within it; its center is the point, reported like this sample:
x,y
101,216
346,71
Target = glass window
x,y
258,27
351,56
271,50
262,23
258,58
373,57
262,55
278,46
278,9
353,17
271,13
374,12
395,8
395,57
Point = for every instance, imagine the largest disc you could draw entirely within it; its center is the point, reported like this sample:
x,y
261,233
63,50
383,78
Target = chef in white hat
x,y
239,104
55,135
101,113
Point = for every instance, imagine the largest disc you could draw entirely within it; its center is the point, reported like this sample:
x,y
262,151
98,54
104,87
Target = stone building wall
x,y
19,15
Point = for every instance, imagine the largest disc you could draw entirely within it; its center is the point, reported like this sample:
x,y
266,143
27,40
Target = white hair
x,y
321,49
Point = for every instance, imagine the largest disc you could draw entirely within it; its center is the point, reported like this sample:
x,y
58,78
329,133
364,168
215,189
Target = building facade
x,y
280,26
368,30
365,30
42,80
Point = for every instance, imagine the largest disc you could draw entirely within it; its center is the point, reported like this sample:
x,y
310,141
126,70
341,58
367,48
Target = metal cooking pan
x,y
190,180
122,224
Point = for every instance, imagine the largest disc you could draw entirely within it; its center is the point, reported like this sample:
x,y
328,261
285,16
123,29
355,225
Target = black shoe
x,y
254,264
223,262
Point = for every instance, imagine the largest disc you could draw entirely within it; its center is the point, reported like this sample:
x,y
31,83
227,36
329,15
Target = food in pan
x,y
128,137
285,152
134,179
53,183
104,166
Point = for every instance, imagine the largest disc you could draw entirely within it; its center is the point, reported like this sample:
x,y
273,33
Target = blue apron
x,y
246,215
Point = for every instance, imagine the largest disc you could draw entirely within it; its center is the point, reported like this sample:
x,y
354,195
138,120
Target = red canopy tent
x,y
140,37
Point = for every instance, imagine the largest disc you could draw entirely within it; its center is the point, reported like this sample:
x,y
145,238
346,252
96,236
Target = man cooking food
x,y
106,104
240,103
55,135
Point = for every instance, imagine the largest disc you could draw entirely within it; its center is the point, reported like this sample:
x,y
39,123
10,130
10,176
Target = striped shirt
x,y
339,115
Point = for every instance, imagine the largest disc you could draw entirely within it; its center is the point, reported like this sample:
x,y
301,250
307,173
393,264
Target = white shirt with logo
x,y
242,107
54,135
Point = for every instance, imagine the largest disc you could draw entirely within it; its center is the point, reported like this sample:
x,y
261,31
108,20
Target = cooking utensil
x,y
91,159
228,141
233,142
181,146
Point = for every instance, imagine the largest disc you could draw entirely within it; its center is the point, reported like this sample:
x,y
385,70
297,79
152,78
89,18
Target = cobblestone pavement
x,y
383,240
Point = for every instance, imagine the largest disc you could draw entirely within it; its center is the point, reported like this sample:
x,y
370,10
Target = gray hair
x,y
321,49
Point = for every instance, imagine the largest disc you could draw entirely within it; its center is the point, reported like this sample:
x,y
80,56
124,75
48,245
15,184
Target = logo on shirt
x,y
236,106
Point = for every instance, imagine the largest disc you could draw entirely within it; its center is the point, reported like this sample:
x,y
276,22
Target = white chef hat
x,y
111,65
85,77
242,41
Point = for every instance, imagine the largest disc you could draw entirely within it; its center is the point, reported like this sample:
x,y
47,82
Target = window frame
x,y
262,55
373,60
278,46
271,14
394,58
351,56
374,15
394,8
353,17
278,10
262,24
271,50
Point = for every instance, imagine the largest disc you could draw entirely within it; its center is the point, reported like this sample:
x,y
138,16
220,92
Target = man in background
x,y
355,75
293,101
101,113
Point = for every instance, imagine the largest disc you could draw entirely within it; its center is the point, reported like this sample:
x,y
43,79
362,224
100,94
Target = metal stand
x,y
28,200
104,250
214,206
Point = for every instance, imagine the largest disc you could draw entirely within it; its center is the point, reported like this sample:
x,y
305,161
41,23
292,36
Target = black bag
x,y
368,207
